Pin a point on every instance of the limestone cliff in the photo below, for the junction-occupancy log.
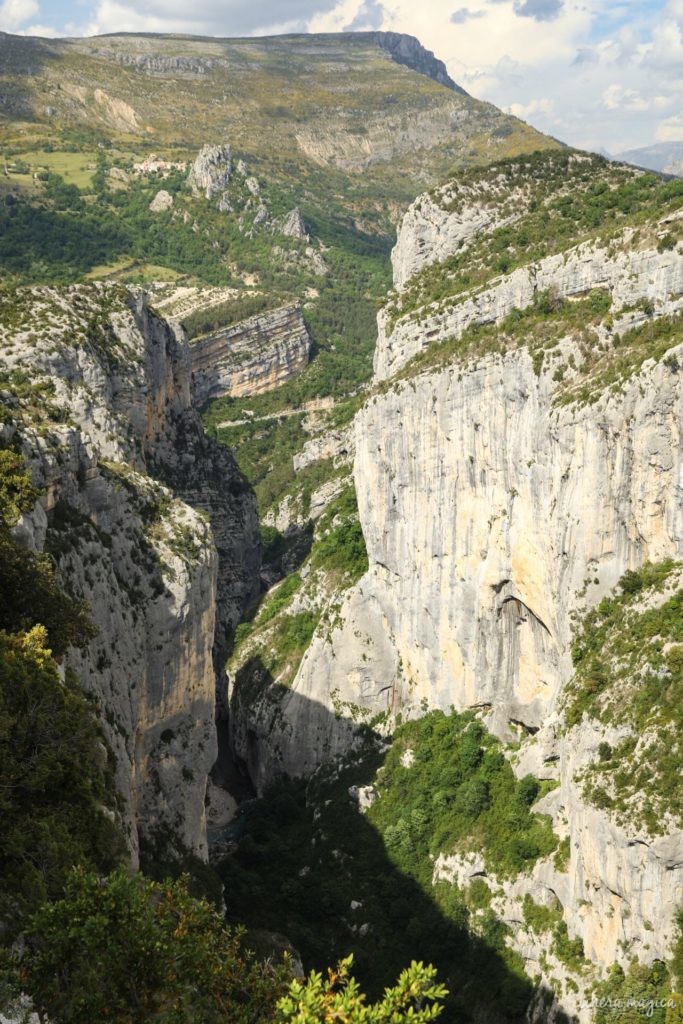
(408, 50)
(147, 520)
(251, 357)
(507, 477)
(485, 508)
(628, 273)
(211, 171)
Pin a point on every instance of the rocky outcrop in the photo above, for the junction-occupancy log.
(408, 50)
(330, 444)
(628, 274)
(211, 171)
(292, 225)
(622, 887)
(115, 112)
(446, 221)
(618, 889)
(150, 522)
(160, 64)
(431, 231)
(251, 357)
(162, 201)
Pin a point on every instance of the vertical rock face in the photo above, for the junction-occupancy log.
(211, 171)
(506, 480)
(485, 509)
(408, 50)
(150, 522)
(251, 357)
(486, 512)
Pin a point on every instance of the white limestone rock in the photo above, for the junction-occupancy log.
(161, 538)
(629, 275)
(211, 171)
(251, 357)
(338, 445)
(162, 201)
(292, 225)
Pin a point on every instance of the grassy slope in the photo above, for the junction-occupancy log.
(265, 96)
(328, 123)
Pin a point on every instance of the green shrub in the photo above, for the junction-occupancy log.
(56, 779)
(339, 998)
(629, 670)
(132, 950)
(476, 798)
(339, 544)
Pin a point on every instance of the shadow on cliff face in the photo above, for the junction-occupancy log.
(308, 864)
(284, 553)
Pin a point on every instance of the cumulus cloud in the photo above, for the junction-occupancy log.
(210, 17)
(370, 15)
(533, 108)
(541, 10)
(464, 14)
(670, 130)
(14, 13)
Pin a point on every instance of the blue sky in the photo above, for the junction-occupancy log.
(594, 73)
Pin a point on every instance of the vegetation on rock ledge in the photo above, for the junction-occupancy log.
(629, 674)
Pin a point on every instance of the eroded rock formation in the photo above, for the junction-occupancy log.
(149, 521)
(251, 357)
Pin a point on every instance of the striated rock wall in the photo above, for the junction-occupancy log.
(150, 522)
(487, 512)
(485, 509)
(628, 275)
(251, 357)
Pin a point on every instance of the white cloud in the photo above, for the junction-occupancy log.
(597, 74)
(13, 13)
(670, 130)
(528, 110)
(370, 15)
(209, 17)
(42, 31)
(615, 97)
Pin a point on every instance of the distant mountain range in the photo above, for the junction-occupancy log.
(666, 157)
